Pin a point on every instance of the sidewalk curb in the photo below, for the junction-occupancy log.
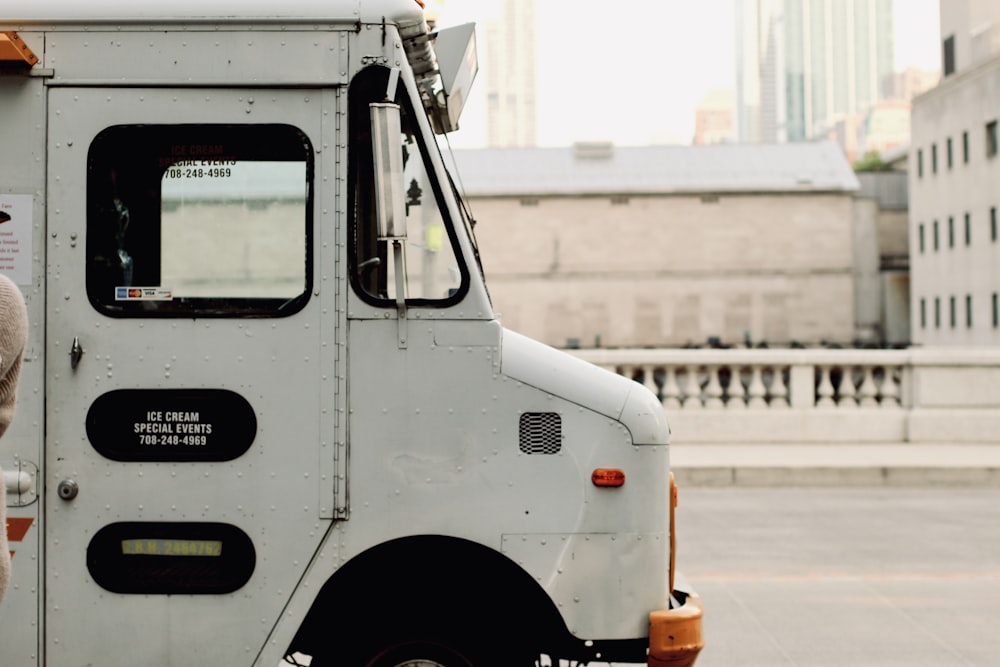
(831, 476)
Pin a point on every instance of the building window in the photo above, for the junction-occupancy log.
(949, 152)
(951, 311)
(933, 158)
(968, 311)
(993, 223)
(991, 138)
(968, 229)
(951, 232)
(923, 313)
(996, 311)
(920, 236)
(965, 147)
(948, 55)
(935, 235)
(920, 163)
(937, 312)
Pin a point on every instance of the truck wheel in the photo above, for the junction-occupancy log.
(419, 654)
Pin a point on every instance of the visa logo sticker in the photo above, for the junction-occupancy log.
(143, 294)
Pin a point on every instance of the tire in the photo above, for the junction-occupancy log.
(419, 654)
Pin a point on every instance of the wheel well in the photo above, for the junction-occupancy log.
(437, 586)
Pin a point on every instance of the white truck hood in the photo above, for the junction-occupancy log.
(587, 385)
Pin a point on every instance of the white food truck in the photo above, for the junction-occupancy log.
(267, 414)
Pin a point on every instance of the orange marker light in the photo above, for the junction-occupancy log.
(608, 477)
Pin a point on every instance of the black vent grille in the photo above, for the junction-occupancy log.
(540, 433)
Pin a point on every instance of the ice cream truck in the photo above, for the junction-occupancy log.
(267, 413)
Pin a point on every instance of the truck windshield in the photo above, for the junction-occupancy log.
(434, 272)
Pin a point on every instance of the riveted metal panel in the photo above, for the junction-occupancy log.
(276, 492)
(591, 576)
(198, 57)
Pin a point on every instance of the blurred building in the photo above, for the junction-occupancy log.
(954, 172)
(803, 66)
(881, 259)
(714, 119)
(885, 126)
(845, 132)
(909, 83)
(598, 245)
(510, 76)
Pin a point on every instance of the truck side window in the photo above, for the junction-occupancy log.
(199, 220)
(434, 273)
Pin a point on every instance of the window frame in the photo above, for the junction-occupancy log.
(259, 140)
(369, 85)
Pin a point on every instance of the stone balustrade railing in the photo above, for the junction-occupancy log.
(819, 394)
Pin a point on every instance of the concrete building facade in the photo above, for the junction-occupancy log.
(954, 182)
(669, 246)
(881, 260)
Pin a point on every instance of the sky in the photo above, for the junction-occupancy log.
(633, 71)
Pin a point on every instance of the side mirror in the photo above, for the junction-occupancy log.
(458, 63)
(387, 148)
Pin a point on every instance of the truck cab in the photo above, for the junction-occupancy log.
(267, 414)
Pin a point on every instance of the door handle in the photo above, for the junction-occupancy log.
(18, 481)
(75, 353)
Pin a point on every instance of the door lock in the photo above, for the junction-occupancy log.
(68, 489)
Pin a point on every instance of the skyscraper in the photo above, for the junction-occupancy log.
(511, 88)
(805, 65)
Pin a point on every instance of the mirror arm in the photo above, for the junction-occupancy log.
(390, 197)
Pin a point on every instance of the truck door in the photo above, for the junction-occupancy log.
(191, 344)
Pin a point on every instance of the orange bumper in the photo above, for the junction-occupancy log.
(675, 634)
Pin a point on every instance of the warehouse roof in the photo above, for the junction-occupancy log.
(600, 168)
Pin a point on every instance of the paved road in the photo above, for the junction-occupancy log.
(845, 576)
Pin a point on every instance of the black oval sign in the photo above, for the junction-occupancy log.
(165, 558)
(171, 425)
